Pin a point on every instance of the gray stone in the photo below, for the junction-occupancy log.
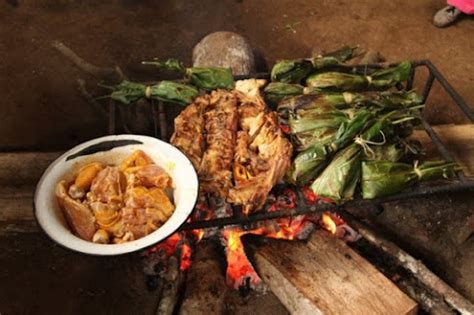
(225, 49)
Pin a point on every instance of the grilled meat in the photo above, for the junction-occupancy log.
(221, 127)
(245, 152)
(188, 130)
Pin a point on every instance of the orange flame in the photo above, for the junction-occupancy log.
(328, 223)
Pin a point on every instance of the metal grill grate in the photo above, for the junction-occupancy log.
(462, 183)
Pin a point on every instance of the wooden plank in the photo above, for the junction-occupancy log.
(325, 276)
(459, 139)
(20, 168)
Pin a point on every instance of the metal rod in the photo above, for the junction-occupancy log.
(303, 208)
(441, 147)
(450, 90)
(427, 88)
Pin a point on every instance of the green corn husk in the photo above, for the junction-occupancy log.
(129, 93)
(334, 58)
(307, 164)
(395, 100)
(384, 178)
(276, 91)
(381, 79)
(339, 178)
(301, 103)
(306, 139)
(207, 78)
(291, 71)
(337, 81)
(390, 77)
(323, 117)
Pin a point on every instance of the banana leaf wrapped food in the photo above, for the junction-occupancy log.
(129, 93)
(311, 161)
(339, 179)
(308, 164)
(381, 79)
(383, 178)
(206, 78)
(294, 71)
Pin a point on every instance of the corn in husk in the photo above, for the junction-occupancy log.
(311, 161)
(276, 91)
(294, 71)
(129, 93)
(381, 79)
(291, 71)
(384, 178)
(206, 78)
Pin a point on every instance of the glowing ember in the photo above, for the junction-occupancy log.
(185, 257)
(240, 272)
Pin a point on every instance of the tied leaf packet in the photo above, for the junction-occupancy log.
(129, 93)
(294, 71)
(380, 79)
(206, 78)
(384, 178)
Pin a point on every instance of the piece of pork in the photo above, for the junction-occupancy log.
(78, 215)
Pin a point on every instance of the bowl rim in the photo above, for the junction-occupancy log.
(75, 152)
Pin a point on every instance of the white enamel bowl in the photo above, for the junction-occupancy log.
(113, 150)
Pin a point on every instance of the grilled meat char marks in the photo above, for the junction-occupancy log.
(221, 128)
(189, 129)
(244, 153)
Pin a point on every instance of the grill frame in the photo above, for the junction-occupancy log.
(462, 183)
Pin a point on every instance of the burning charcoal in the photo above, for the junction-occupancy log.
(338, 227)
(240, 273)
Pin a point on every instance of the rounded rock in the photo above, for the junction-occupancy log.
(227, 50)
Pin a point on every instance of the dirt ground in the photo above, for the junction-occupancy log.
(43, 110)
(41, 105)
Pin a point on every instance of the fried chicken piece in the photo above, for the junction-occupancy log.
(188, 130)
(221, 126)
